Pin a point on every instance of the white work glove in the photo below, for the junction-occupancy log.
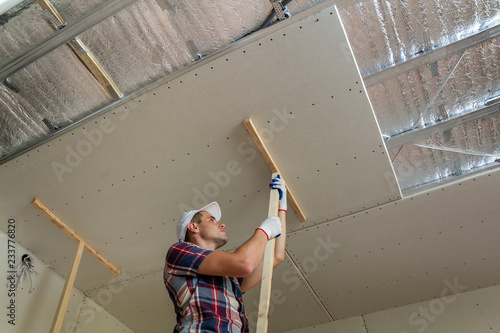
(279, 184)
(271, 226)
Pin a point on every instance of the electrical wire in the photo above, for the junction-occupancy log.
(26, 268)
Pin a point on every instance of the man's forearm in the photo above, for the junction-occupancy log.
(279, 246)
(253, 249)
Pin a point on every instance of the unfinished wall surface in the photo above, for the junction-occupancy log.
(475, 311)
(24, 311)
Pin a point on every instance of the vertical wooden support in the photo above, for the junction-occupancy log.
(74, 236)
(66, 293)
(82, 245)
(267, 269)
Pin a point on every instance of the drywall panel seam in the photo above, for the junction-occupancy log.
(387, 175)
(468, 178)
(316, 296)
(131, 278)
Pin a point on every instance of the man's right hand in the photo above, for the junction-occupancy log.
(271, 226)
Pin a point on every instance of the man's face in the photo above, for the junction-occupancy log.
(211, 230)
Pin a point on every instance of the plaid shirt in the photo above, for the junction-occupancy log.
(202, 303)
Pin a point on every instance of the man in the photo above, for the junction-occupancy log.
(205, 285)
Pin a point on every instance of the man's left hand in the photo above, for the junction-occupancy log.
(279, 184)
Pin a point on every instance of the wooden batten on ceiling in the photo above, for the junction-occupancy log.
(85, 55)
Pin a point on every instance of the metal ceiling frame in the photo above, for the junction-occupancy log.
(412, 136)
(63, 36)
(188, 68)
(432, 56)
(449, 180)
(86, 22)
(111, 7)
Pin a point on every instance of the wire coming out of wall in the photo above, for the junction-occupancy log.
(26, 267)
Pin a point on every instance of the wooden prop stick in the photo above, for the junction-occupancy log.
(272, 165)
(66, 293)
(74, 236)
(267, 269)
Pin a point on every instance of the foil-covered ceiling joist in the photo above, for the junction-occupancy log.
(412, 136)
(385, 33)
(55, 87)
(432, 56)
(448, 153)
(418, 99)
(429, 68)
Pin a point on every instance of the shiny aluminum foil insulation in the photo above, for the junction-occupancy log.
(448, 154)
(417, 99)
(139, 45)
(383, 34)
(151, 39)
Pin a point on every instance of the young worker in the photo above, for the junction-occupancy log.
(205, 285)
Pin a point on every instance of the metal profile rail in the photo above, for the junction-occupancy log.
(432, 56)
(412, 136)
(63, 36)
(188, 68)
(94, 17)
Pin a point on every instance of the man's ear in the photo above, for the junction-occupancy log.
(192, 227)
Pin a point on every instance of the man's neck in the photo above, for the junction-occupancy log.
(204, 244)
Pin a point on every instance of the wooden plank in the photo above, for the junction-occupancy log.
(267, 269)
(86, 57)
(66, 293)
(272, 165)
(74, 236)
(96, 69)
(48, 6)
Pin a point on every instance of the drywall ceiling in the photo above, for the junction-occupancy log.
(122, 179)
(431, 68)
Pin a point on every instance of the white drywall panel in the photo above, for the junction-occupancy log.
(473, 311)
(35, 310)
(460, 314)
(142, 303)
(349, 325)
(93, 318)
(403, 252)
(289, 294)
(487, 302)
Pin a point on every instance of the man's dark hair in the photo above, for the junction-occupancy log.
(196, 219)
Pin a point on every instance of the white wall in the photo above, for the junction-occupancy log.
(474, 311)
(35, 310)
